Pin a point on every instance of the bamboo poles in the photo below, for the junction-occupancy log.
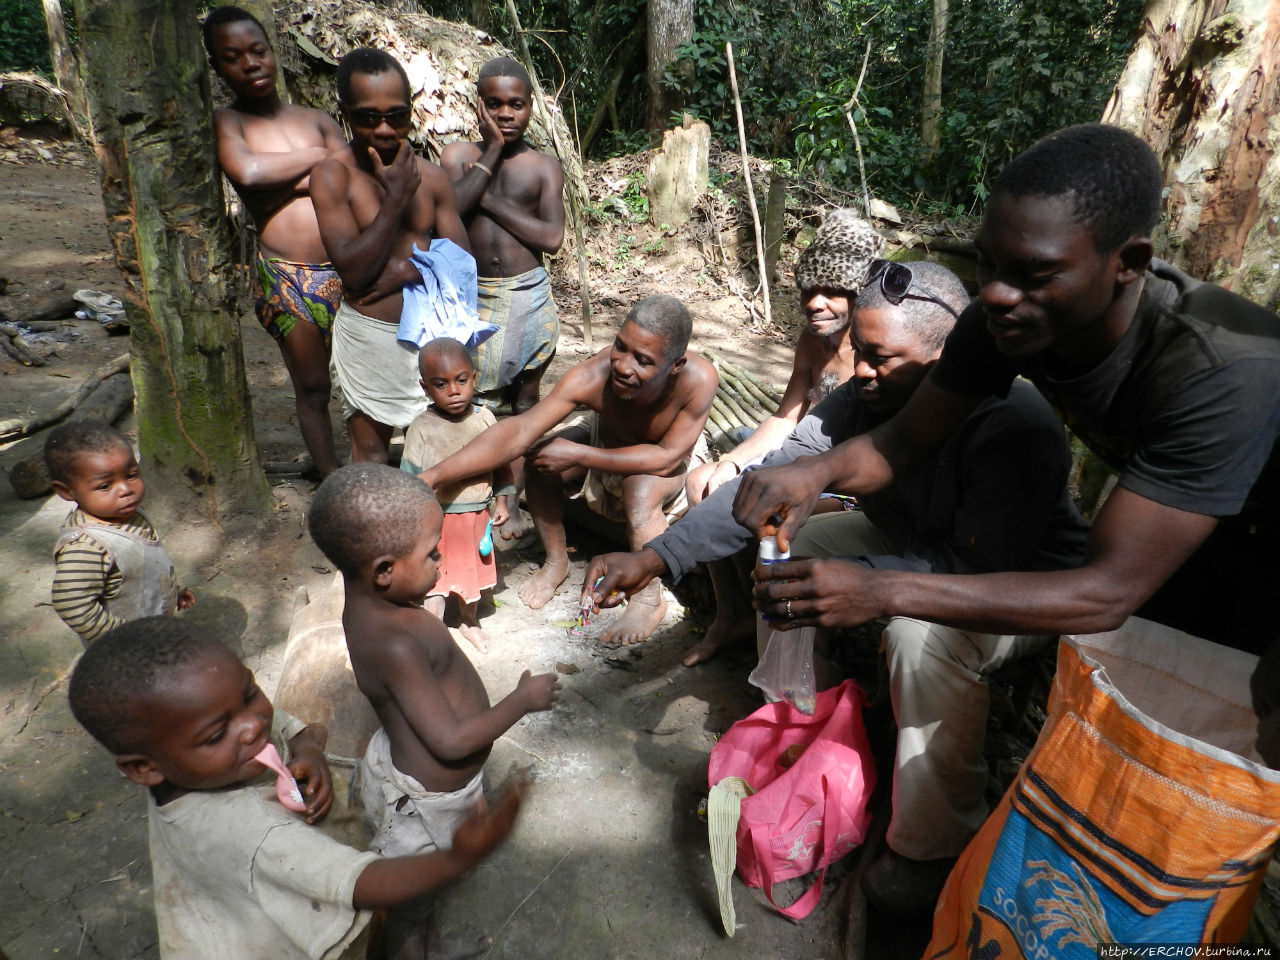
(742, 401)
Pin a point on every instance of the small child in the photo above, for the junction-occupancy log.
(236, 875)
(444, 428)
(381, 528)
(109, 565)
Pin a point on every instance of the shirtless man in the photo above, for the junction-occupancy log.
(372, 206)
(267, 148)
(831, 271)
(510, 197)
(650, 400)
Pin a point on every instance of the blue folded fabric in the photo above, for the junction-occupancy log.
(444, 303)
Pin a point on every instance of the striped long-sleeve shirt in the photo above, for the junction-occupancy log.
(85, 576)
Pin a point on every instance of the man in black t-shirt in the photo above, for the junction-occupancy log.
(1176, 383)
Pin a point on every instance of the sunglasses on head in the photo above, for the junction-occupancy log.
(398, 118)
(898, 283)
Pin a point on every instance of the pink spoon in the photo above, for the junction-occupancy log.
(287, 791)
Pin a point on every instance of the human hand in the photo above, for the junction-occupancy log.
(722, 471)
(540, 691)
(490, 133)
(816, 593)
(396, 275)
(555, 456)
(775, 501)
(428, 477)
(477, 835)
(186, 599)
(620, 575)
(499, 513)
(311, 770)
(401, 177)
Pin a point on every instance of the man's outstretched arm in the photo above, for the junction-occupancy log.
(1135, 545)
(778, 500)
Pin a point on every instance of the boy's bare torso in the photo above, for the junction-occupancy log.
(390, 647)
(520, 179)
(283, 214)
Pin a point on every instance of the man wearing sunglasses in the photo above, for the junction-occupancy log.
(1174, 382)
(993, 497)
(372, 207)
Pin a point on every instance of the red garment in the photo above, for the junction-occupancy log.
(462, 570)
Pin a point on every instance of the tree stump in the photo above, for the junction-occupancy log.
(678, 173)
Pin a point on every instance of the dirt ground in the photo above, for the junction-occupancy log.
(609, 859)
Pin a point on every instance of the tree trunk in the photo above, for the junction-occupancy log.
(64, 61)
(670, 23)
(1203, 88)
(931, 101)
(482, 15)
(148, 91)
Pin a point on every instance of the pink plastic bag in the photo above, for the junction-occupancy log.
(804, 818)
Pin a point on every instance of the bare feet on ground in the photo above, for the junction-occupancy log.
(725, 629)
(644, 612)
(477, 636)
(460, 945)
(518, 524)
(541, 587)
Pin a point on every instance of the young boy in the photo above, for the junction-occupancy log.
(442, 429)
(236, 875)
(422, 771)
(374, 201)
(109, 564)
(267, 149)
(509, 196)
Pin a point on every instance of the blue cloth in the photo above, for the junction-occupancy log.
(444, 303)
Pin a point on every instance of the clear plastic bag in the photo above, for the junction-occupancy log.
(785, 672)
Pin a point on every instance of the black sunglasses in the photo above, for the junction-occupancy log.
(399, 118)
(897, 283)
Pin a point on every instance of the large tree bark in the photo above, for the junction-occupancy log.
(931, 99)
(1203, 88)
(148, 90)
(670, 24)
(64, 61)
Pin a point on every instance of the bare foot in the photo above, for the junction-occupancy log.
(644, 612)
(541, 587)
(518, 524)
(460, 945)
(476, 636)
(725, 629)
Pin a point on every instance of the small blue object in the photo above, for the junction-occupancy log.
(486, 542)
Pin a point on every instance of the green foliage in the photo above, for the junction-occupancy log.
(24, 43)
(1013, 71)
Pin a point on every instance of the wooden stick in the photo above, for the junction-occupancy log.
(857, 141)
(749, 391)
(20, 428)
(737, 408)
(745, 375)
(746, 177)
(728, 416)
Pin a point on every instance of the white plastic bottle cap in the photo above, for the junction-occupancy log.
(769, 552)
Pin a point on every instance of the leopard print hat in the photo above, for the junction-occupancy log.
(841, 253)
